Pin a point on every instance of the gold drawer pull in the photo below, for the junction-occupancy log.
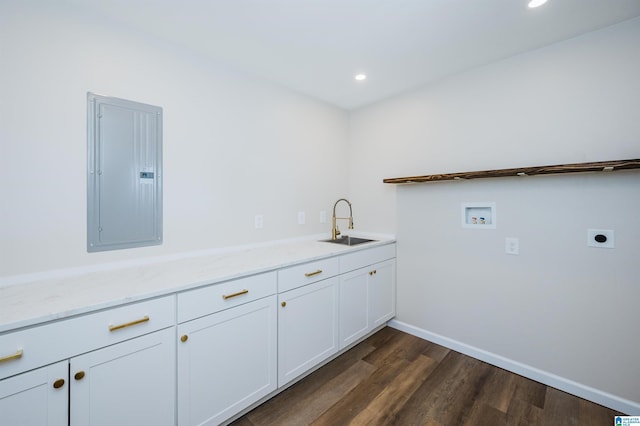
(240, 293)
(17, 355)
(373, 272)
(58, 384)
(283, 304)
(311, 274)
(79, 375)
(129, 324)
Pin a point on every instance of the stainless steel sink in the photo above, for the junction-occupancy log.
(348, 241)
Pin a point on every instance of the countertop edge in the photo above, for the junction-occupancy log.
(324, 251)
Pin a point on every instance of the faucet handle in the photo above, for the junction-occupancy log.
(350, 223)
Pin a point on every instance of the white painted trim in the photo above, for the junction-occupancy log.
(578, 389)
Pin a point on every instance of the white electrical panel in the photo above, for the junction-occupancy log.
(124, 174)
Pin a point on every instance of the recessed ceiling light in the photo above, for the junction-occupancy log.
(536, 3)
(360, 77)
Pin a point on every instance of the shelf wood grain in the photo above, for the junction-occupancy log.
(599, 166)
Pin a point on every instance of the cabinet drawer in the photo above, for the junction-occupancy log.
(217, 297)
(362, 258)
(41, 345)
(307, 273)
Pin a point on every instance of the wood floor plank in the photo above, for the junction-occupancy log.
(592, 414)
(483, 414)
(560, 408)
(498, 390)
(435, 351)
(417, 407)
(243, 421)
(529, 391)
(357, 400)
(306, 410)
(522, 413)
(411, 348)
(384, 407)
(430, 422)
(455, 397)
(310, 386)
(393, 378)
(381, 337)
(399, 346)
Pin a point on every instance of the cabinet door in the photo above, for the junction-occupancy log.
(382, 293)
(354, 321)
(130, 383)
(307, 328)
(226, 362)
(36, 398)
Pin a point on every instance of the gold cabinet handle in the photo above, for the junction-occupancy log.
(184, 338)
(16, 355)
(58, 384)
(283, 304)
(240, 293)
(373, 272)
(311, 274)
(79, 375)
(129, 324)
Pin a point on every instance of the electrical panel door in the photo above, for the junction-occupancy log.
(124, 174)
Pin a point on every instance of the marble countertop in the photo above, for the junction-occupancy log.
(27, 304)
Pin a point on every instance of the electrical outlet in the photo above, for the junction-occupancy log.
(323, 216)
(512, 246)
(259, 221)
(601, 238)
(301, 218)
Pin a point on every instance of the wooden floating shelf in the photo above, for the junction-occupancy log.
(600, 166)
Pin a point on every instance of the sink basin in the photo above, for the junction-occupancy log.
(348, 241)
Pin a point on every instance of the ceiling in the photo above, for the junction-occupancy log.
(315, 47)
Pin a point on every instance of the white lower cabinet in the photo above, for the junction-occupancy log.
(354, 306)
(37, 398)
(131, 383)
(238, 341)
(307, 327)
(367, 300)
(382, 293)
(226, 362)
(111, 367)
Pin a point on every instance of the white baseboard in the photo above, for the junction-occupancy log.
(599, 397)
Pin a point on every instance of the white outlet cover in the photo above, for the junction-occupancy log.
(593, 235)
(301, 218)
(512, 245)
(259, 221)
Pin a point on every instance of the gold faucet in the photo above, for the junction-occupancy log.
(334, 225)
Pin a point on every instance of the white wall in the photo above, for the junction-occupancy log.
(560, 309)
(233, 146)
(571, 102)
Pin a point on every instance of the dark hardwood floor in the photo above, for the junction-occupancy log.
(394, 378)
